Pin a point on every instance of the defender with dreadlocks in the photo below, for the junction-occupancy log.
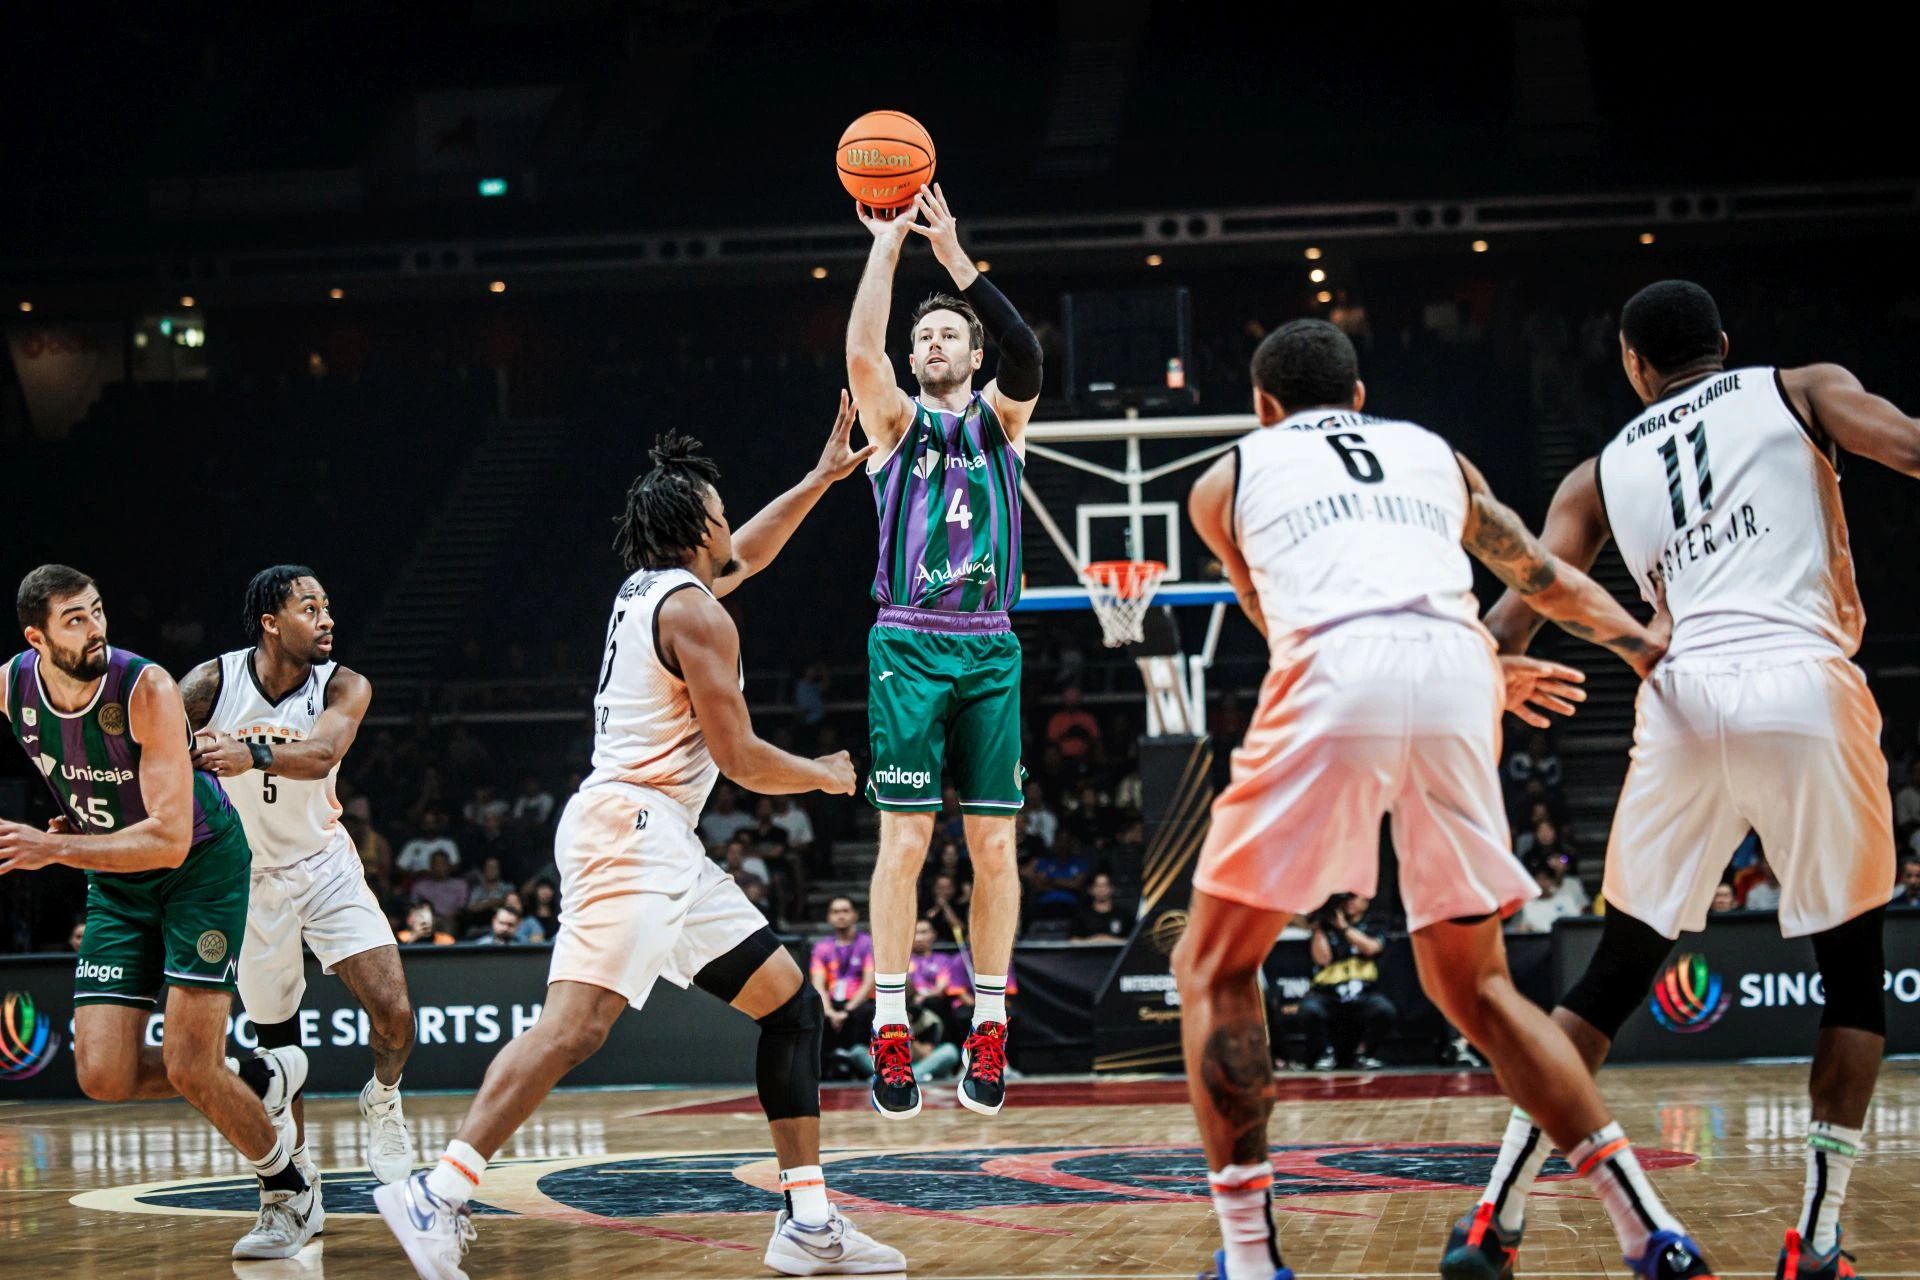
(640, 899)
(273, 721)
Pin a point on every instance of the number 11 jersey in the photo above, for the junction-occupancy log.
(1723, 493)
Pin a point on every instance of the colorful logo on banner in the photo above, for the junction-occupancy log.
(28, 1041)
(963, 1183)
(1689, 997)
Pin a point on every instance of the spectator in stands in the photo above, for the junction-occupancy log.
(1545, 843)
(1062, 874)
(78, 934)
(484, 804)
(1043, 824)
(1907, 892)
(841, 969)
(768, 841)
(467, 757)
(1072, 730)
(488, 887)
(533, 807)
(501, 929)
(440, 889)
(950, 859)
(417, 853)
(1561, 895)
(1344, 1000)
(1762, 890)
(792, 819)
(432, 795)
(1537, 759)
(491, 839)
(1723, 900)
(376, 851)
(543, 909)
(945, 911)
(724, 819)
(424, 929)
(1101, 919)
(741, 861)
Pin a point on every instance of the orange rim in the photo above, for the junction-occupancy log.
(1125, 577)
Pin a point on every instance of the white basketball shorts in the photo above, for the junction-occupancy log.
(1380, 717)
(639, 898)
(323, 899)
(1789, 748)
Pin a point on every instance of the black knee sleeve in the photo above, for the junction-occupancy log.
(278, 1035)
(1620, 974)
(786, 1067)
(1853, 969)
(727, 976)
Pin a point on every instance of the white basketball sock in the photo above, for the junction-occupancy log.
(458, 1174)
(1606, 1160)
(1243, 1201)
(1523, 1152)
(889, 1000)
(805, 1188)
(1831, 1151)
(376, 1093)
(989, 998)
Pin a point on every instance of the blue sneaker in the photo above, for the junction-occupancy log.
(1671, 1256)
(1479, 1248)
(1218, 1271)
(1799, 1262)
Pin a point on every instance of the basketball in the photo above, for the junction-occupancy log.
(883, 158)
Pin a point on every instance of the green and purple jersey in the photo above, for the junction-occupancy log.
(948, 498)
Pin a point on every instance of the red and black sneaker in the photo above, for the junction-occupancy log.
(983, 1069)
(1798, 1261)
(896, 1094)
(1479, 1248)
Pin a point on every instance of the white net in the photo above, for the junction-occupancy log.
(1121, 591)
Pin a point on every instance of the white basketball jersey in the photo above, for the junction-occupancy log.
(1722, 492)
(286, 819)
(1341, 515)
(644, 730)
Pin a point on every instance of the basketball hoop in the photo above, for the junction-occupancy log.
(1120, 591)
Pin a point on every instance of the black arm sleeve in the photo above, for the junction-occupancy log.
(1019, 372)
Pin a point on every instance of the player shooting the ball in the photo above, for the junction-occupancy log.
(944, 666)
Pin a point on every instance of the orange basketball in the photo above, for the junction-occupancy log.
(884, 158)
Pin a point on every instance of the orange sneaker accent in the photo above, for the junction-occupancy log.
(1482, 1218)
(1612, 1148)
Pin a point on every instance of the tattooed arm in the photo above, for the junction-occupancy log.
(1550, 586)
(1575, 531)
(199, 691)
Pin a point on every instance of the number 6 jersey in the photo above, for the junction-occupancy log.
(1723, 493)
(1341, 515)
(286, 819)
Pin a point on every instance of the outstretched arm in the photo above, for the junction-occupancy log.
(1016, 386)
(348, 695)
(157, 722)
(1575, 532)
(1833, 400)
(759, 540)
(884, 408)
(698, 638)
(1210, 507)
(1495, 536)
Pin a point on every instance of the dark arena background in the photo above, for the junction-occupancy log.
(405, 293)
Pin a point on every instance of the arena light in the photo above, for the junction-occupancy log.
(1646, 237)
(498, 286)
(818, 273)
(1154, 259)
(983, 266)
(1323, 296)
(26, 306)
(1317, 275)
(1479, 246)
(186, 300)
(336, 294)
(492, 187)
(1313, 254)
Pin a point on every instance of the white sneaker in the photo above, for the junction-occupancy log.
(311, 1172)
(837, 1249)
(389, 1145)
(433, 1232)
(284, 1226)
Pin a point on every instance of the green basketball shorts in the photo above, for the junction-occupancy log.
(943, 690)
(182, 926)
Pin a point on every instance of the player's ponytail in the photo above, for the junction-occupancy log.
(666, 515)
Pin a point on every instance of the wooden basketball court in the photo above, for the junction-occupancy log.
(1076, 1179)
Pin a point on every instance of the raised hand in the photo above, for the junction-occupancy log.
(1536, 687)
(942, 229)
(839, 458)
(889, 226)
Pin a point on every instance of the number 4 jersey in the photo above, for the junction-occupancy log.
(1341, 515)
(90, 758)
(1722, 492)
(287, 819)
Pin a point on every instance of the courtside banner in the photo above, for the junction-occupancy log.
(1740, 990)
